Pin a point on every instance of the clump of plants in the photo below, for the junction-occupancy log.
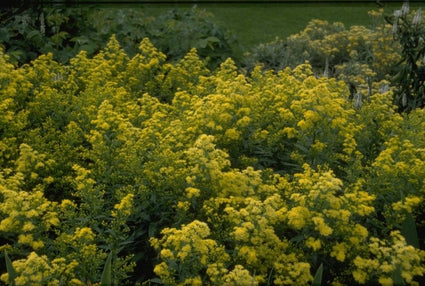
(363, 57)
(133, 169)
(390, 54)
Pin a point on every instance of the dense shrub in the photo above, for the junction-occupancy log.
(31, 30)
(190, 176)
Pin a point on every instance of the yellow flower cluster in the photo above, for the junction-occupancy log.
(188, 251)
(388, 258)
(38, 270)
(28, 215)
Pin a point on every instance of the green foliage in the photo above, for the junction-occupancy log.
(273, 55)
(64, 31)
(28, 32)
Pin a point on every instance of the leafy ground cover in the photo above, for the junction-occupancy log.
(132, 169)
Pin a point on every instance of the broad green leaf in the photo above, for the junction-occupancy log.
(397, 279)
(156, 280)
(33, 34)
(317, 280)
(408, 229)
(213, 39)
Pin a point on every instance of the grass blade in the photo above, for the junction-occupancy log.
(106, 274)
(10, 270)
(397, 278)
(317, 280)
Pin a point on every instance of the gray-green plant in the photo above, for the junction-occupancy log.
(409, 30)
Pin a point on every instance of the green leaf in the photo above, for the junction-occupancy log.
(317, 280)
(10, 269)
(297, 238)
(33, 34)
(106, 274)
(203, 43)
(156, 280)
(213, 39)
(408, 230)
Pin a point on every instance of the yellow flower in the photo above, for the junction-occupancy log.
(241, 234)
(360, 276)
(386, 268)
(248, 254)
(290, 132)
(37, 244)
(318, 146)
(410, 203)
(25, 238)
(183, 205)
(166, 254)
(321, 226)
(67, 204)
(124, 207)
(232, 134)
(297, 217)
(238, 276)
(243, 122)
(75, 282)
(303, 124)
(315, 244)
(7, 224)
(28, 226)
(184, 252)
(385, 281)
(161, 270)
(192, 192)
(361, 231)
(338, 251)
(84, 233)
(196, 281)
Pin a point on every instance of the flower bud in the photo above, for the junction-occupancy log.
(405, 8)
(394, 29)
(397, 13)
(417, 18)
(384, 88)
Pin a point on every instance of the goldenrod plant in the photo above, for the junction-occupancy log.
(127, 170)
